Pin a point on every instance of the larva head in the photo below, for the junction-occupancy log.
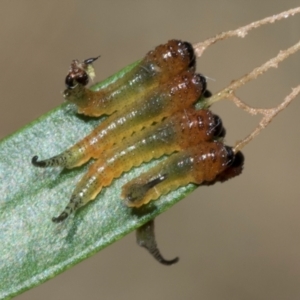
(200, 81)
(80, 72)
(231, 171)
(209, 160)
(187, 86)
(234, 169)
(228, 157)
(212, 124)
(170, 59)
(217, 129)
(198, 126)
(187, 49)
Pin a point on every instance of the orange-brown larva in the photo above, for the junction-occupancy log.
(178, 93)
(180, 131)
(175, 171)
(158, 66)
(151, 113)
(205, 163)
(165, 87)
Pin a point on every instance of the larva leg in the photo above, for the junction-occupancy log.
(145, 237)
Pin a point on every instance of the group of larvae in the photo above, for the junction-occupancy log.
(150, 113)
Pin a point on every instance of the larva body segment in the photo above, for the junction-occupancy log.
(180, 131)
(199, 164)
(159, 66)
(175, 95)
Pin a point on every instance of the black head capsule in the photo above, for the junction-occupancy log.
(204, 82)
(190, 50)
(234, 169)
(75, 77)
(199, 79)
(82, 79)
(230, 156)
(70, 82)
(79, 73)
(219, 130)
(239, 159)
(207, 94)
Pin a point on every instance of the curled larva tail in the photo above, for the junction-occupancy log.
(199, 164)
(66, 159)
(145, 238)
(75, 202)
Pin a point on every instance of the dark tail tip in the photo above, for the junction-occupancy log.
(170, 262)
(156, 254)
(37, 163)
(91, 60)
(60, 218)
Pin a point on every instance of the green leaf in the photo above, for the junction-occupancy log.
(33, 248)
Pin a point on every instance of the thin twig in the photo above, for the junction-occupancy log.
(268, 114)
(243, 31)
(229, 92)
(272, 63)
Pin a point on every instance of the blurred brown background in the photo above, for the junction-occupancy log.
(239, 240)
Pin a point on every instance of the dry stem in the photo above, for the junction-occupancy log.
(228, 92)
(268, 115)
(243, 31)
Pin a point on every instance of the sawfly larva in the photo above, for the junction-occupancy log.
(205, 163)
(180, 131)
(179, 93)
(159, 66)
